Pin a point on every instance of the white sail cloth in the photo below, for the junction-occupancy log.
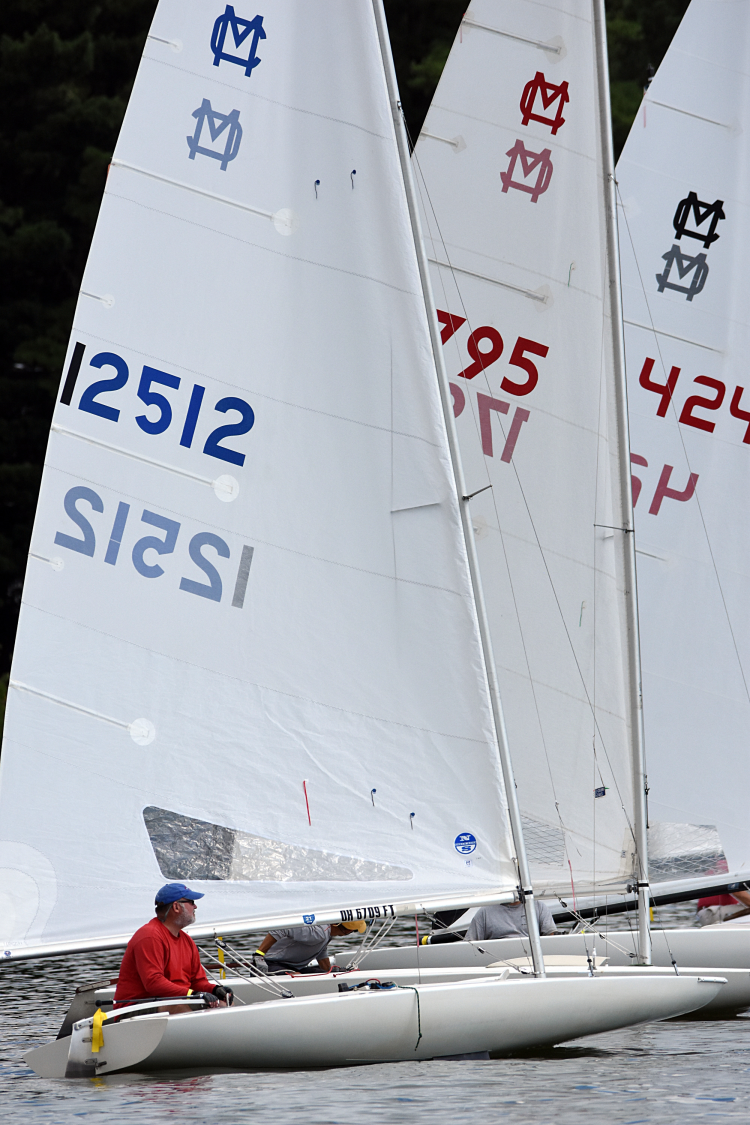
(509, 167)
(248, 654)
(683, 182)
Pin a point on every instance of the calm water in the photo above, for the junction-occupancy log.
(671, 1072)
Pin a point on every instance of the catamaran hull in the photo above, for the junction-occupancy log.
(408, 1023)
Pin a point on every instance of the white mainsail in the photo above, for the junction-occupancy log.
(683, 183)
(248, 654)
(510, 166)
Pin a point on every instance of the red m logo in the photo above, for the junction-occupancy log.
(549, 93)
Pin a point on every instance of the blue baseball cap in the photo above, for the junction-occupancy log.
(171, 892)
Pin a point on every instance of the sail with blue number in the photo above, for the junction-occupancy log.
(684, 205)
(510, 169)
(248, 655)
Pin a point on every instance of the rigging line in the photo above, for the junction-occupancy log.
(251, 980)
(217, 980)
(421, 180)
(372, 940)
(256, 975)
(685, 452)
(564, 832)
(655, 909)
(477, 949)
(586, 923)
(473, 945)
(533, 526)
(375, 939)
(526, 953)
(363, 947)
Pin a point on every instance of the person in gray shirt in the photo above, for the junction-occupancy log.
(292, 949)
(509, 920)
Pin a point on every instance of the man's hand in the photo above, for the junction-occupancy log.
(225, 996)
(211, 1000)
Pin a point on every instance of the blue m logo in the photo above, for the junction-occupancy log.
(241, 30)
(225, 125)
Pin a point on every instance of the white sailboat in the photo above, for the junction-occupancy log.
(525, 281)
(249, 492)
(681, 338)
(685, 346)
(684, 200)
(523, 276)
(251, 653)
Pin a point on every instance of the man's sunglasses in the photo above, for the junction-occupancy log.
(187, 901)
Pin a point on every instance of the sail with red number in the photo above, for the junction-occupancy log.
(510, 167)
(249, 655)
(685, 201)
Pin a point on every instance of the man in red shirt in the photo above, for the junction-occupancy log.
(161, 960)
(721, 908)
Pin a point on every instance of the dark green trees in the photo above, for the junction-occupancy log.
(66, 68)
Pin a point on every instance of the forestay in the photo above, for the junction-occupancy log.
(248, 654)
(509, 165)
(683, 181)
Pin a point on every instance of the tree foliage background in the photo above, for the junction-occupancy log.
(66, 69)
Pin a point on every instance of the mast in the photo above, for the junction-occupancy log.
(626, 499)
(526, 889)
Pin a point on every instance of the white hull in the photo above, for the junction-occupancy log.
(735, 993)
(722, 950)
(368, 1027)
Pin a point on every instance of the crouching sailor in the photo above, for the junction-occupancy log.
(161, 960)
(292, 949)
(508, 920)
